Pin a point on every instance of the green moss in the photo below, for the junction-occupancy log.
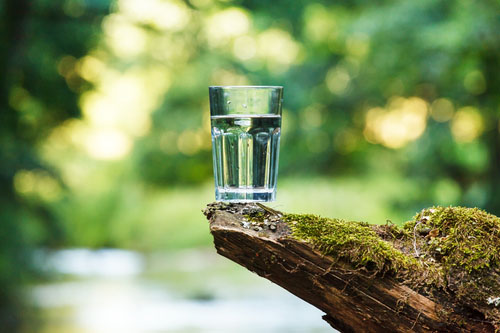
(353, 241)
(465, 244)
(464, 238)
(451, 249)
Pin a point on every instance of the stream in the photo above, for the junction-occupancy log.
(114, 290)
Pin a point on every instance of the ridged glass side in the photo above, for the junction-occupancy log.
(245, 154)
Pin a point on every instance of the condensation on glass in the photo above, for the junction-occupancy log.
(246, 126)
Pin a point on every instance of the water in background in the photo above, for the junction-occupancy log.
(189, 291)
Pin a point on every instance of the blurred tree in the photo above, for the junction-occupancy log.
(97, 117)
(402, 87)
(405, 89)
(37, 92)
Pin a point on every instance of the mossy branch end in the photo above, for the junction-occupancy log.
(438, 272)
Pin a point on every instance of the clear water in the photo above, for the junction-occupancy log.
(245, 155)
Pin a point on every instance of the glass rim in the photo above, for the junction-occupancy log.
(253, 87)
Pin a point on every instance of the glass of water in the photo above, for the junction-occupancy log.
(246, 126)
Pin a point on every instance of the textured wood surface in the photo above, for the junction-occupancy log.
(353, 300)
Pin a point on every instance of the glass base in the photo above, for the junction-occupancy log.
(245, 195)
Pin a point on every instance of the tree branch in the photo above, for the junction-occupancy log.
(355, 299)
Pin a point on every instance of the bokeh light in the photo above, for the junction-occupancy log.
(105, 135)
(467, 124)
(402, 121)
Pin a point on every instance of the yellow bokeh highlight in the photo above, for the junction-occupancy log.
(160, 14)
(357, 45)
(402, 121)
(69, 133)
(228, 78)
(245, 48)
(319, 24)
(37, 182)
(117, 110)
(119, 107)
(442, 110)
(107, 144)
(312, 117)
(288, 124)
(124, 37)
(205, 138)
(114, 113)
(337, 79)
(205, 122)
(171, 50)
(104, 111)
(202, 3)
(190, 142)
(225, 24)
(125, 101)
(467, 124)
(90, 68)
(278, 48)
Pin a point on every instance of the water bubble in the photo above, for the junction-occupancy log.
(228, 102)
(244, 105)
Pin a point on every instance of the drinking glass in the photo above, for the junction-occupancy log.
(246, 126)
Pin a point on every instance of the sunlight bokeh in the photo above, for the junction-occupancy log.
(402, 121)
(106, 139)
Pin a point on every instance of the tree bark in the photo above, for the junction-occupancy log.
(354, 300)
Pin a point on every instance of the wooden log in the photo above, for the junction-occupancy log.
(354, 299)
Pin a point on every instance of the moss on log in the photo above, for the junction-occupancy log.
(439, 272)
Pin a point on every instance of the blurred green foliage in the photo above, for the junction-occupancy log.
(34, 99)
(105, 129)
(405, 88)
